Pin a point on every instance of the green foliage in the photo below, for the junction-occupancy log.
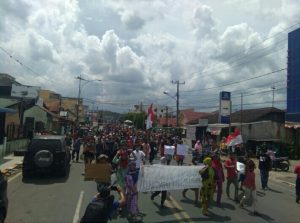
(293, 151)
(138, 119)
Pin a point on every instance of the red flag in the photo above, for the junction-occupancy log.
(150, 117)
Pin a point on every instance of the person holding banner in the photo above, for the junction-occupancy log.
(208, 184)
(180, 151)
(163, 193)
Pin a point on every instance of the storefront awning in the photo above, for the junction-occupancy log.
(292, 125)
(7, 110)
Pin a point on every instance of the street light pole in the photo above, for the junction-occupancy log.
(79, 94)
(177, 100)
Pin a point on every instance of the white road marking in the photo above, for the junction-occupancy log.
(14, 177)
(77, 212)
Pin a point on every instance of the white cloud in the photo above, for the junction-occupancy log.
(138, 47)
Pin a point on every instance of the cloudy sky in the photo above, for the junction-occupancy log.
(137, 47)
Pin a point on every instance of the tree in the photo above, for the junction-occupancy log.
(138, 119)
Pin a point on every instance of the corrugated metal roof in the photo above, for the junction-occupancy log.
(7, 102)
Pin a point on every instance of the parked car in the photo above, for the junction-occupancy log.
(3, 197)
(46, 154)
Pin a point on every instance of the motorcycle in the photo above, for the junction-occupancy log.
(281, 163)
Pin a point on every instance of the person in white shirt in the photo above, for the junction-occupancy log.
(139, 156)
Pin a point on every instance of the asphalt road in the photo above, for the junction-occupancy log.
(52, 199)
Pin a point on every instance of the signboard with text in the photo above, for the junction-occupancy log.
(225, 107)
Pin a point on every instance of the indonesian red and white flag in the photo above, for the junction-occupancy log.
(234, 138)
(150, 117)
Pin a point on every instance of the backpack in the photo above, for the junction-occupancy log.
(98, 211)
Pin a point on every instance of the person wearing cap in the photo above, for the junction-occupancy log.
(163, 161)
(208, 184)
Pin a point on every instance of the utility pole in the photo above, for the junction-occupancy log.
(177, 100)
(167, 116)
(78, 100)
(273, 88)
(241, 121)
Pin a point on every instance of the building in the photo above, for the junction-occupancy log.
(293, 77)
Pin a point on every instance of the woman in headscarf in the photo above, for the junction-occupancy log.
(208, 184)
(131, 190)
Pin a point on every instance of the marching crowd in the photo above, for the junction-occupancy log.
(127, 150)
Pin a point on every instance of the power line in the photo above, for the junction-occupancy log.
(238, 82)
(19, 62)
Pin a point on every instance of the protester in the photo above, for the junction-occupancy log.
(153, 150)
(232, 177)
(249, 186)
(89, 151)
(139, 155)
(76, 149)
(103, 204)
(163, 193)
(131, 190)
(146, 149)
(121, 159)
(196, 190)
(179, 158)
(297, 171)
(218, 167)
(208, 184)
(264, 165)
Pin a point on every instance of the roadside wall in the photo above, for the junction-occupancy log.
(9, 147)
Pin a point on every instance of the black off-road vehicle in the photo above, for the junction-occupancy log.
(3, 197)
(46, 154)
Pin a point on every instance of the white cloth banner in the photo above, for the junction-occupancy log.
(182, 149)
(169, 150)
(162, 177)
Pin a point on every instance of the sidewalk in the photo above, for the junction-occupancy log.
(10, 163)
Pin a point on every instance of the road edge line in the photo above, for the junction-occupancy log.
(14, 177)
(183, 212)
(78, 206)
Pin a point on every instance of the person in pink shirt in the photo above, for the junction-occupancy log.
(232, 176)
(249, 186)
(297, 171)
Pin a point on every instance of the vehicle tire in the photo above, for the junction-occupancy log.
(43, 158)
(2, 215)
(284, 166)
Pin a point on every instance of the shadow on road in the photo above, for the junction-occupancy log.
(262, 216)
(211, 217)
(275, 191)
(46, 178)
